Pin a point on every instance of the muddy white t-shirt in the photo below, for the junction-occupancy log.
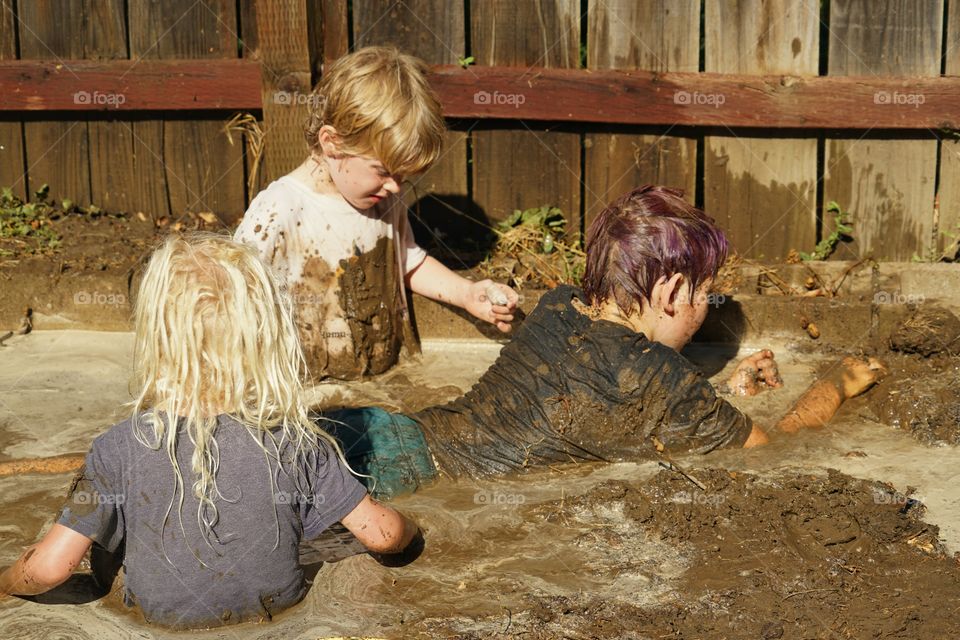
(344, 268)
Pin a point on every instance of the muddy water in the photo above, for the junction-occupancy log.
(536, 554)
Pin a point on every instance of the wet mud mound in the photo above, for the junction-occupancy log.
(928, 331)
(922, 396)
(786, 556)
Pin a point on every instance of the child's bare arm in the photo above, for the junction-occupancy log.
(380, 528)
(435, 281)
(46, 564)
(819, 404)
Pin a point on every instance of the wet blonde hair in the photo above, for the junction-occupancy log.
(215, 335)
(381, 105)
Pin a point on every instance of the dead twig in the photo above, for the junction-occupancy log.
(26, 326)
(797, 593)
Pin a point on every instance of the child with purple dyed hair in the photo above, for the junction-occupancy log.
(596, 374)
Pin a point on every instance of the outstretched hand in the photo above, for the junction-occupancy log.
(859, 374)
(492, 302)
(754, 370)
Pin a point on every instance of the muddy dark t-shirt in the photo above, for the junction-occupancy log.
(248, 568)
(568, 388)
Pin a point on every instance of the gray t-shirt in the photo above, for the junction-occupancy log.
(248, 567)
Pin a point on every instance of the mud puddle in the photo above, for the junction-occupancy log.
(617, 551)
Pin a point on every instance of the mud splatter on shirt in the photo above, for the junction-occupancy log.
(344, 269)
(568, 388)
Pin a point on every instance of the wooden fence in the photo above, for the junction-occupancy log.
(763, 111)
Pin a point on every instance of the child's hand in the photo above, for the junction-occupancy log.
(753, 369)
(492, 302)
(859, 374)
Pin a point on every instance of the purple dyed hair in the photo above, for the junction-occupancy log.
(644, 235)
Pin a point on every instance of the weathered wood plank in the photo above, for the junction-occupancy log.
(655, 35)
(612, 96)
(137, 85)
(887, 185)
(56, 151)
(13, 172)
(646, 97)
(336, 34)
(202, 172)
(530, 165)
(284, 50)
(762, 189)
(948, 225)
(113, 182)
(433, 30)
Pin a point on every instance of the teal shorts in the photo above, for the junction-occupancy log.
(387, 447)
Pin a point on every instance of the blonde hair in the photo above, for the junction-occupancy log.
(215, 335)
(381, 105)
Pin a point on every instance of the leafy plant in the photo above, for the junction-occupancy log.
(465, 62)
(841, 230)
(28, 222)
(535, 242)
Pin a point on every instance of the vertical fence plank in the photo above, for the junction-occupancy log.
(113, 179)
(763, 190)
(433, 30)
(335, 28)
(527, 165)
(202, 171)
(13, 173)
(659, 35)
(284, 52)
(888, 185)
(949, 223)
(57, 152)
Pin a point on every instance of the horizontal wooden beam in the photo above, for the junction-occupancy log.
(571, 95)
(129, 85)
(699, 99)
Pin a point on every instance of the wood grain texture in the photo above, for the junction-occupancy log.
(887, 185)
(142, 85)
(200, 170)
(531, 165)
(655, 35)
(668, 98)
(434, 30)
(284, 52)
(13, 171)
(948, 225)
(335, 29)
(56, 150)
(763, 190)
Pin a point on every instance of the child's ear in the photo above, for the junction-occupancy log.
(671, 290)
(329, 140)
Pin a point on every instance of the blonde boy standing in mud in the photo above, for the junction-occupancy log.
(336, 228)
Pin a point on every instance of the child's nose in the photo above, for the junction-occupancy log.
(392, 185)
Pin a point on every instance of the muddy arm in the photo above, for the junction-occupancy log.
(435, 281)
(46, 564)
(817, 406)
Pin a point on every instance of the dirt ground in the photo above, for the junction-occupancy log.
(850, 532)
(791, 555)
(777, 546)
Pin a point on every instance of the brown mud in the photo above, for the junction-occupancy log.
(796, 555)
(92, 250)
(363, 290)
(921, 396)
(593, 550)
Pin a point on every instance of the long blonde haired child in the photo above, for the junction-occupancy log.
(219, 432)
